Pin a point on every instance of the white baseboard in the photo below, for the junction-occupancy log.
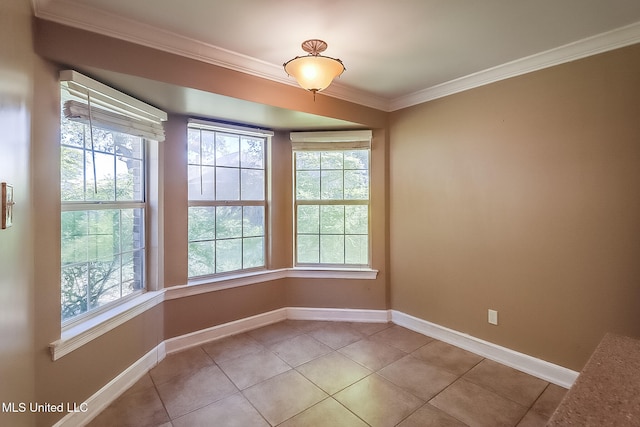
(106, 395)
(92, 407)
(196, 338)
(539, 368)
(338, 314)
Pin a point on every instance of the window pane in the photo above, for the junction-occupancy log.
(332, 185)
(104, 281)
(202, 223)
(208, 148)
(252, 184)
(227, 184)
(332, 249)
(131, 229)
(228, 255)
(357, 159)
(357, 219)
(129, 146)
(72, 133)
(227, 150)
(201, 190)
(74, 290)
(129, 180)
(104, 174)
(308, 248)
(331, 219)
(74, 228)
(356, 249)
(309, 219)
(331, 160)
(252, 154)
(308, 185)
(202, 256)
(253, 221)
(228, 222)
(132, 272)
(71, 174)
(307, 160)
(103, 233)
(253, 252)
(356, 185)
(193, 147)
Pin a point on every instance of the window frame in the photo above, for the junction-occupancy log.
(325, 141)
(137, 119)
(240, 131)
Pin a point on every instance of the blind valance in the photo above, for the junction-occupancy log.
(90, 101)
(331, 140)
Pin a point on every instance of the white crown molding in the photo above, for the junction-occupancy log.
(97, 21)
(615, 39)
(94, 20)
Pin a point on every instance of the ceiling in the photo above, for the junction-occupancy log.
(397, 53)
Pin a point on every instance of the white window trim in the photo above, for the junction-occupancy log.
(321, 141)
(86, 331)
(90, 325)
(246, 131)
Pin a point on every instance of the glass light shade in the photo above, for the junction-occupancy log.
(314, 72)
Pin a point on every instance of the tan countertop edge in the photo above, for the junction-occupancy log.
(607, 391)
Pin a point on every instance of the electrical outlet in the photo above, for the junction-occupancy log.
(493, 317)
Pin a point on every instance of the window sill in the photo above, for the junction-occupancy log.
(84, 332)
(212, 284)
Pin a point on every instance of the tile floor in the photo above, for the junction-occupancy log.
(310, 373)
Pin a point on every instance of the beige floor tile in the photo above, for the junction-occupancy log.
(430, 416)
(180, 363)
(190, 392)
(418, 377)
(253, 368)
(333, 372)
(284, 396)
(142, 384)
(275, 332)
(370, 328)
(233, 411)
(305, 325)
(232, 347)
(453, 359)
(402, 338)
(477, 406)
(373, 354)
(336, 334)
(143, 408)
(378, 402)
(533, 419)
(507, 382)
(327, 413)
(300, 349)
(549, 400)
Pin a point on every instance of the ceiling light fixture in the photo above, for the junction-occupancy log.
(314, 72)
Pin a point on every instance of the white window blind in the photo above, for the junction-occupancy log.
(331, 140)
(89, 101)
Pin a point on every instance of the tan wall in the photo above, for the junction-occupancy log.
(18, 69)
(522, 196)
